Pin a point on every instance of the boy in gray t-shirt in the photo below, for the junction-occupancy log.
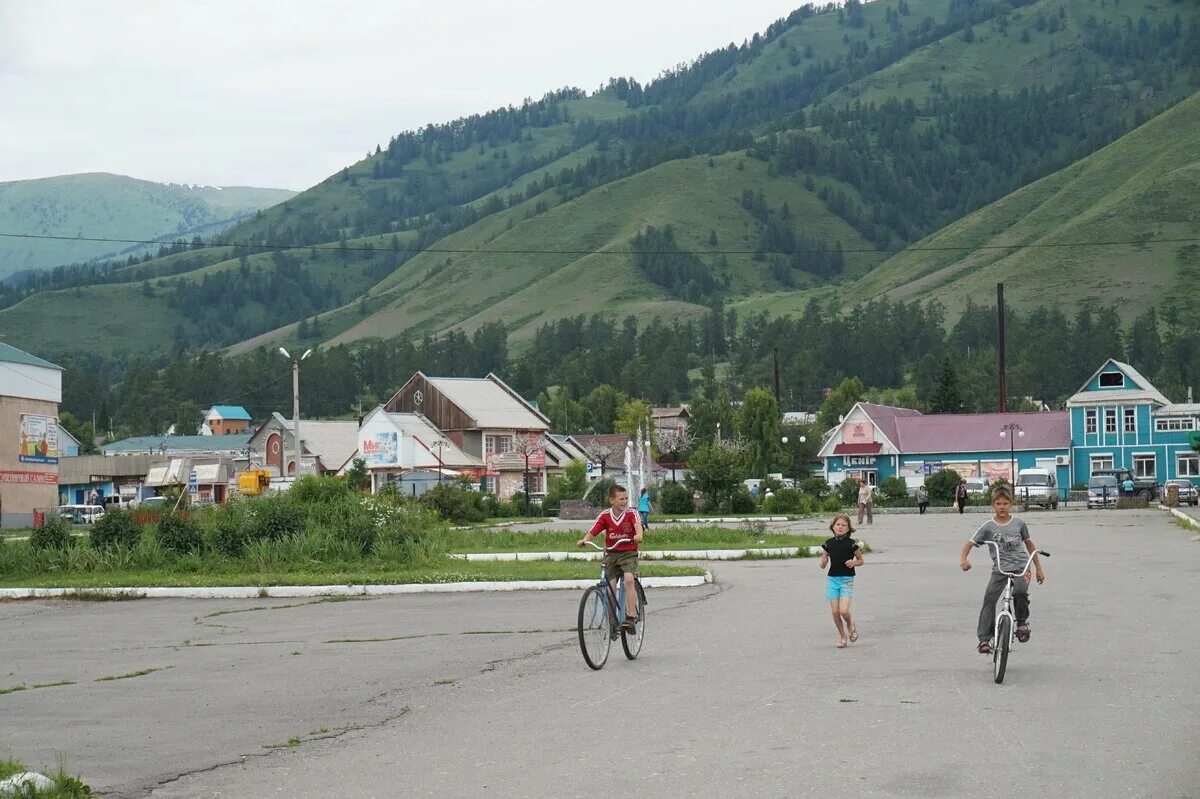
(1012, 537)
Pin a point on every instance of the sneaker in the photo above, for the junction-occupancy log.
(985, 648)
(1023, 633)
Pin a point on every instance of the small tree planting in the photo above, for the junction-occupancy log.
(115, 528)
(177, 533)
(55, 533)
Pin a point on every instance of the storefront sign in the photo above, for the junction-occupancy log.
(380, 449)
(932, 467)
(29, 478)
(860, 460)
(858, 433)
(537, 457)
(39, 439)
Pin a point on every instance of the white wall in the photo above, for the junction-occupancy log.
(30, 382)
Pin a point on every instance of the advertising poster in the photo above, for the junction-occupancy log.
(380, 449)
(39, 439)
(963, 468)
(537, 457)
(997, 470)
(858, 433)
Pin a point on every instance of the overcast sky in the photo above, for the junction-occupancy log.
(283, 94)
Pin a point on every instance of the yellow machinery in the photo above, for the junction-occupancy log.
(253, 482)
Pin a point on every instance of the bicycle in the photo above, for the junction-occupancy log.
(1004, 629)
(601, 617)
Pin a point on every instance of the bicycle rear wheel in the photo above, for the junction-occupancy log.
(632, 643)
(595, 626)
(1000, 653)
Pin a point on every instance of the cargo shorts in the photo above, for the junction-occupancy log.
(618, 563)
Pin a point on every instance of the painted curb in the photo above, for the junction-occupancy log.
(1178, 514)
(649, 554)
(297, 591)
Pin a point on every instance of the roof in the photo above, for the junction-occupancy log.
(1145, 389)
(1179, 409)
(666, 413)
(334, 442)
(490, 402)
(885, 417)
(10, 354)
(614, 441)
(980, 432)
(858, 449)
(156, 444)
(426, 435)
(230, 412)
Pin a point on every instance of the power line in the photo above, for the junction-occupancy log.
(485, 251)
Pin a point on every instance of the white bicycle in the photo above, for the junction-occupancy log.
(1004, 631)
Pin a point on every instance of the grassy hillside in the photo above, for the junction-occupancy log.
(112, 206)
(862, 128)
(1145, 187)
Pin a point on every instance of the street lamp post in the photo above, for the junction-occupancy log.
(1012, 431)
(441, 442)
(296, 404)
(792, 456)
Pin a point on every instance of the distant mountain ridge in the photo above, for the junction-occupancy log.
(103, 205)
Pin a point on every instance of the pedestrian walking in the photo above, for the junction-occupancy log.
(864, 501)
(922, 499)
(960, 495)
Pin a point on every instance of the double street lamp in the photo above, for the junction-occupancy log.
(1012, 431)
(296, 405)
(792, 452)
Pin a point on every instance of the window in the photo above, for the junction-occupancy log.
(1131, 420)
(1187, 465)
(1112, 380)
(497, 445)
(1167, 425)
(1110, 421)
(1143, 466)
(1090, 421)
(1101, 462)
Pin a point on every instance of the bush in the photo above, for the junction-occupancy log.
(941, 486)
(742, 502)
(894, 488)
(55, 533)
(791, 501)
(831, 504)
(674, 498)
(115, 528)
(815, 487)
(229, 527)
(273, 517)
(177, 533)
(455, 503)
(312, 489)
(847, 492)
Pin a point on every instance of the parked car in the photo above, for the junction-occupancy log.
(1188, 493)
(1103, 492)
(976, 485)
(1143, 487)
(81, 514)
(1036, 487)
(152, 503)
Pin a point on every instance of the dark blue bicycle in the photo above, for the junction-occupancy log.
(601, 617)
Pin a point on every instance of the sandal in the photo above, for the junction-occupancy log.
(854, 635)
(985, 648)
(841, 644)
(1023, 633)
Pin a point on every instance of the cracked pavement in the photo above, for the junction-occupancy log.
(739, 690)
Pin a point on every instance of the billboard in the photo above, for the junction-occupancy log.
(997, 470)
(380, 448)
(858, 433)
(39, 439)
(537, 456)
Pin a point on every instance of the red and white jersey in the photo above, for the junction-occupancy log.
(615, 528)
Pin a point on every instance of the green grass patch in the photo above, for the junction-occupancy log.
(65, 786)
(12, 689)
(335, 574)
(56, 684)
(132, 674)
(667, 538)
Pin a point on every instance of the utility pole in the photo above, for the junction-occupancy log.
(296, 405)
(778, 401)
(1000, 345)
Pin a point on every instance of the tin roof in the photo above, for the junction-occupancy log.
(175, 444)
(422, 431)
(333, 442)
(232, 412)
(857, 449)
(10, 354)
(980, 432)
(885, 418)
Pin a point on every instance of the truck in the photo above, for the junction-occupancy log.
(1144, 487)
(254, 482)
(1036, 487)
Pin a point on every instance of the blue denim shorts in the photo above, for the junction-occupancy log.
(839, 587)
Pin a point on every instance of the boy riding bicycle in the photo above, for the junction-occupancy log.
(618, 522)
(1009, 533)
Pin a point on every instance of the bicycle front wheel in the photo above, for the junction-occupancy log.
(1000, 653)
(632, 642)
(595, 626)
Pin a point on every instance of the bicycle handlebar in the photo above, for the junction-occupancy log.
(1028, 562)
(615, 543)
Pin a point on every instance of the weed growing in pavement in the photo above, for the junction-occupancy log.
(132, 674)
(63, 785)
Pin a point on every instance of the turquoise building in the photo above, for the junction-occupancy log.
(1118, 419)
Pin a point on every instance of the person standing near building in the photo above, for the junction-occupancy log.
(1127, 486)
(922, 499)
(864, 501)
(960, 495)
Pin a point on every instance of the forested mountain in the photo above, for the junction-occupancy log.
(760, 178)
(98, 205)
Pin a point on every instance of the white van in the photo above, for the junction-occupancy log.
(81, 514)
(1036, 487)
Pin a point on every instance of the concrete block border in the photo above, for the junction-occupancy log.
(1178, 514)
(297, 591)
